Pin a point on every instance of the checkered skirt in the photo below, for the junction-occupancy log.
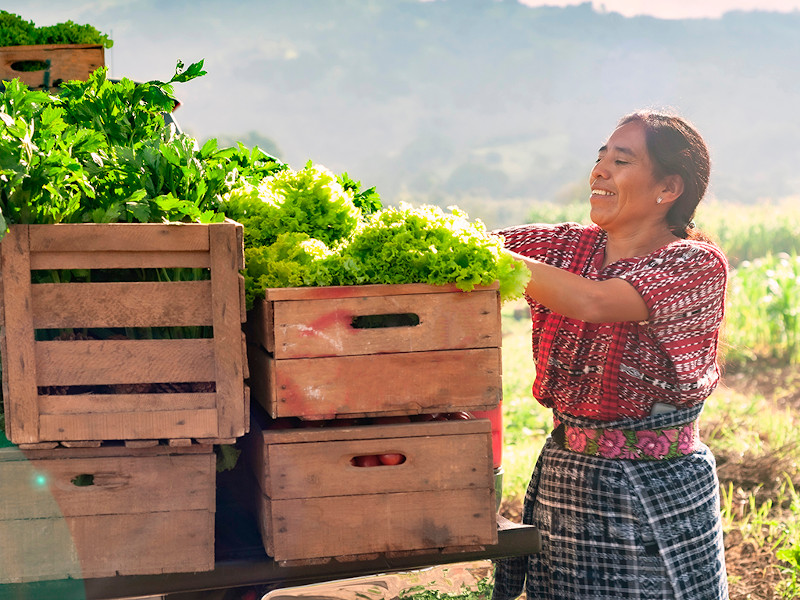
(621, 529)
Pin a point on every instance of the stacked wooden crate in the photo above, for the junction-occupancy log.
(126, 415)
(99, 512)
(55, 62)
(375, 363)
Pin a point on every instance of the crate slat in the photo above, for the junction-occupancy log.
(98, 362)
(119, 260)
(403, 521)
(347, 291)
(410, 383)
(327, 469)
(107, 546)
(161, 424)
(125, 237)
(329, 327)
(123, 304)
(116, 488)
(119, 403)
(178, 541)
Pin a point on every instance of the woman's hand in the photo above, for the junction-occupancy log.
(608, 301)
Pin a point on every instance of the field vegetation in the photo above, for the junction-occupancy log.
(750, 422)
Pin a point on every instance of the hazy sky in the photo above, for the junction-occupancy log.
(677, 9)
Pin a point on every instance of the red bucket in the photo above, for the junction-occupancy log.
(495, 416)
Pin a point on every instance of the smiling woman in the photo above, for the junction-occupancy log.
(626, 316)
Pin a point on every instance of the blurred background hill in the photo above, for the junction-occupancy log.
(489, 104)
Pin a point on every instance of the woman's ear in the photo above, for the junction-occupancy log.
(673, 188)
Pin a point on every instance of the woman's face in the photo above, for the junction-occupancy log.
(624, 191)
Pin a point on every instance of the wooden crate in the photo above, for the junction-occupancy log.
(67, 62)
(102, 389)
(315, 504)
(313, 353)
(98, 512)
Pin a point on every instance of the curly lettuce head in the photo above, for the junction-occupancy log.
(293, 260)
(428, 245)
(311, 201)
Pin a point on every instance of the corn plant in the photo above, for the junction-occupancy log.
(763, 311)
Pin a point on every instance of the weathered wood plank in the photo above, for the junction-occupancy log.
(125, 237)
(431, 463)
(110, 486)
(348, 291)
(260, 325)
(402, 521)
(121, 304)
(17, 453)
(330, 327)
(116, 403)
(2, 308)
(133, 425)
(179, 442)
(82, 444)
(141, 443)
(119, 260)
(96, 362)
(177, 541)
(411, 382)
(226, 319)
(19, 357)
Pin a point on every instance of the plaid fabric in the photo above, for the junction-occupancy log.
(609, 371)
(621, 529)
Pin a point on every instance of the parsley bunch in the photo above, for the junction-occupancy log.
(100, 151)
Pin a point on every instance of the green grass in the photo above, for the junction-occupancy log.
(763, 317)
(525, 422)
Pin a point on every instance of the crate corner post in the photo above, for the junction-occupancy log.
(19, 363)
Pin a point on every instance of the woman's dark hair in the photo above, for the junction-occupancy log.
(676, 148)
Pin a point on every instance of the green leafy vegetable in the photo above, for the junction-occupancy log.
(100, 151)
(368, 201)
(393, 245)
(310, 201)
(227, 456)
(293, 260)
(429, 245)
(15, 31)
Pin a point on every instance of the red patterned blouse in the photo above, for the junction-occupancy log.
(609, 371)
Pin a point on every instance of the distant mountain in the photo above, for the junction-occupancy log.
(465, 99)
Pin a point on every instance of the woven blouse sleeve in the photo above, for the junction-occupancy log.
(684, 289)
(533, 240)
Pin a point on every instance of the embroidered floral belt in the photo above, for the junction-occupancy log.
(647, 444)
